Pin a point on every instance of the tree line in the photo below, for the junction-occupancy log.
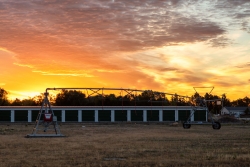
(146, 98)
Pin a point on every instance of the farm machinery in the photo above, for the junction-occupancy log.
(201, 103)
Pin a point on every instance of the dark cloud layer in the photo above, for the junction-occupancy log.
(92, 25)
(117, 25)
(244, 66)
(124, 25)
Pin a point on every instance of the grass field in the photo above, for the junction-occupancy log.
(126, 145)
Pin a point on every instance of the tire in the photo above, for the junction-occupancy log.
(186, 126)
(216, 125)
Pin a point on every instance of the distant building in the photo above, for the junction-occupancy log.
(236, 111)
(105, 113)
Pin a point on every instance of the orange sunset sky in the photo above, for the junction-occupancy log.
(162, 45)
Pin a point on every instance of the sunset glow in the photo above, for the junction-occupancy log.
(169, 46)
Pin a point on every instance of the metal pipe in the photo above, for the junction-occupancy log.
(47, 89)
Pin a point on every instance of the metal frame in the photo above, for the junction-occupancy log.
(45, 108)
(128, 91)
(201, 103)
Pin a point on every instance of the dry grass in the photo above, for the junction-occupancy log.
(126, 145)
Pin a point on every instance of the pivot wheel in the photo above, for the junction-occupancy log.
(216, 125)
(186, 126)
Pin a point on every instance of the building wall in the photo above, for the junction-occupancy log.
(224, 111)
(236, 111)
(99, 113)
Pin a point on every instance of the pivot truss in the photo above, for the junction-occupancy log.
(46, 116)
(100, 91)
(129, 93)
(201, 103)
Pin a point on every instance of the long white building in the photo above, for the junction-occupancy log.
(104, 113)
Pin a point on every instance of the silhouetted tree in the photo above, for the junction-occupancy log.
(17, 102)
(174, 100)
(244, 102)
(111, 100)
(24, 102)
(39, 99)
(70, 98)
(77, 98)
(3, 97)
(29, 102)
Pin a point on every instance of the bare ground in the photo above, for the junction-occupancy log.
(126, 145)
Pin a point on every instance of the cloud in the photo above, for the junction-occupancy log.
(233, 3)
(243, 15)
(6, 51)
(127, 43)
(235, 12)
(169, 69)
(65, 73)
(101, 25)
(87, 32)
(23, 65)
(246, 26)
(220, 41)
(244, 66)
(129, 79)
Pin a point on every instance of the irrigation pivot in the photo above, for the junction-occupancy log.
(46, 122)
(46, 116)
(200, 103)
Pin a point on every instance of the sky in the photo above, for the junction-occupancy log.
(162, 45)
